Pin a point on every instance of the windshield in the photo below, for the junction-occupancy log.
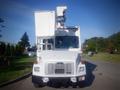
(66, 42)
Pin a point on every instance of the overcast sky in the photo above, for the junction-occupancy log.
(96, 17)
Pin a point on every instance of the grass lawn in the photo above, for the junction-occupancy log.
(104, 57)
(17, 68)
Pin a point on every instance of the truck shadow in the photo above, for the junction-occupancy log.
(90, 67)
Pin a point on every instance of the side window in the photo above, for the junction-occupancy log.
(47, 44)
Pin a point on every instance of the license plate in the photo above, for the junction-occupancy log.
(59, 71)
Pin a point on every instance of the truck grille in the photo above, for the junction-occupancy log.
(59, 68)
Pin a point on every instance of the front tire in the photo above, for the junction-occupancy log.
(81, 84)
(38, 85)
(74, 85)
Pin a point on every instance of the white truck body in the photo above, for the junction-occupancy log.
(58, 49)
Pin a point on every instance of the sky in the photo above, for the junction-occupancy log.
(96, 18)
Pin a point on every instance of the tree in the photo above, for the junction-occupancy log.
(91, 44)
(2, 48)
(5, 54)
(24, 41)
(110, 47)
(110, 44)
(7, 50)
(12, 49)
(115, 38)
(18, 50)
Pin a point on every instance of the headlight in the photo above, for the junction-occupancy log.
(81, 69)
(36, 69)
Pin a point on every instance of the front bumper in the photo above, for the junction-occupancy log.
(45, 80)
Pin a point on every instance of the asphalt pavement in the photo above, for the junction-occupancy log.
(101, 75)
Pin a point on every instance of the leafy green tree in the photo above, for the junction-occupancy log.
(101, 44)
(110, 47)
(7, 54)
(12, 50)
(7, 50)
(110, 44)
(24, 42)
(2, 48)
(18, 50)
(90, 44)
(114, 41)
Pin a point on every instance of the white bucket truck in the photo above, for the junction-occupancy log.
(58, 50)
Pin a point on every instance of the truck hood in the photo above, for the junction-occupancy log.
(58, 55)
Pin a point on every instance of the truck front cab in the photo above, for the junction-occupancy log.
(58, 50)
